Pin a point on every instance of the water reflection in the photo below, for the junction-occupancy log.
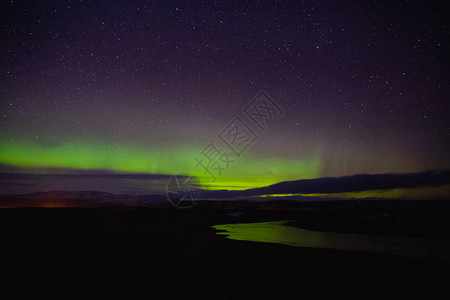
(279, 233)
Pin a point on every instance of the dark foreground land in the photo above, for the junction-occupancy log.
(168, 253)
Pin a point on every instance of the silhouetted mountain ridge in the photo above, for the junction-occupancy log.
(353, 183)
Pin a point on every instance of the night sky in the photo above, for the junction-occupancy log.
(146, 86)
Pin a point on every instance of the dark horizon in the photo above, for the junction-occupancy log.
(435, 183)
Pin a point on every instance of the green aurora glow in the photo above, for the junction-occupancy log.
(244, 172)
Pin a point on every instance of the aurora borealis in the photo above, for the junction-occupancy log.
(143, 87)
(247, 173)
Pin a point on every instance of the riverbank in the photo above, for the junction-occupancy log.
(140, 253)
